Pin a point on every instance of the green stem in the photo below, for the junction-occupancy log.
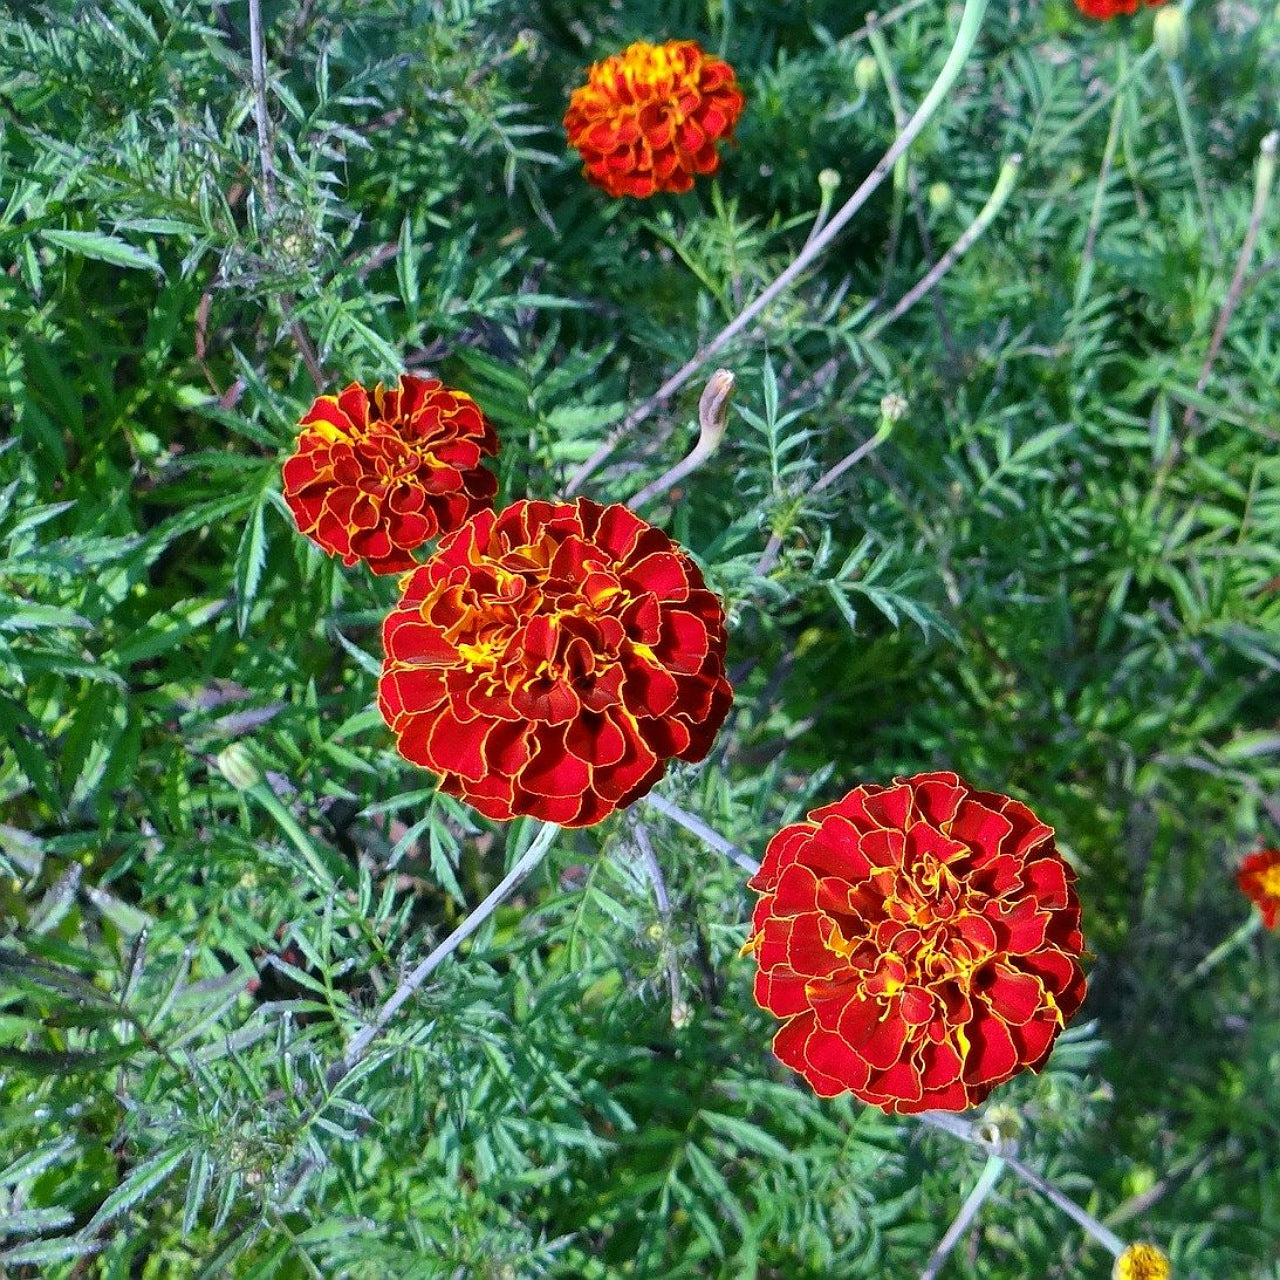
(1215, 957)
(1193, 156)
(987, 1180)
(1085, 278)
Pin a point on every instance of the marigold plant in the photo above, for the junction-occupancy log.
(377, 474)
(1259, 879)
(549, 660)
(922, 941)
(1106, 9)
(649, 119)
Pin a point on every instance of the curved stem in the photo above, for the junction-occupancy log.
(966, 38)
(360, 1043)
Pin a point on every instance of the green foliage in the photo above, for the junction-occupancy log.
(1057, 574)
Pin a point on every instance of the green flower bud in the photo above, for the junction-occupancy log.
(866, 73)
(1171, 33)
(238, 766)
(828, 180)
(940, 197)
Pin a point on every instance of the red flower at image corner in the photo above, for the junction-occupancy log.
(376, 474)
(550, 659)
(1106, 9)
(922, 940)
(649, 119)
(1259, 879)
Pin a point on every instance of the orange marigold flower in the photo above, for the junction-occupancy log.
(1141, 1262)
(377, 474)
(1259, 880)
(550, 659)
(648, 119)
(1106, 9)
(922, 940)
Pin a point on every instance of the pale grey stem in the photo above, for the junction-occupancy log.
(663, 900)
(711, 838)
(713, 417)
(987, 1180)
(1263, 183)
(258, 65)
(966, 37)
(986, 215)
(361, 1041)
(966, 1132)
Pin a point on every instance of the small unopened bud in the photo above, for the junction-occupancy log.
(1171, 33)
(237, 765)
(940, 197)
(681, 1015)
(828, 180)
(654, 932)
(866, 73)
(1001, 1126)
(893, 408)
(713, 409)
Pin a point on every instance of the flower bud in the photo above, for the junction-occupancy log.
(681, 1015)
(866, 73)
(238, 766)
(893, 408)
(1171, 33)
(940, 197)
(828, 181)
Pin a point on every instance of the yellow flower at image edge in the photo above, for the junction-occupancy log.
(1142, 1262)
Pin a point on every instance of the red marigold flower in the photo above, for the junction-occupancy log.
(1106, 9)
(377, 474)
(649, 118)
(922, 940)
(1259, 880)
(550, 659)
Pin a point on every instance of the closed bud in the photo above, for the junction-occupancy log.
(940, 197)
(681, 1015)
(1171, 33)
(893, 408)
(238, 766)
(828, 181)
(866, 73)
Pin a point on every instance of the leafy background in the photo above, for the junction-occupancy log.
(1058, 576)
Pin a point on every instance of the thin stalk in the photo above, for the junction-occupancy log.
(965, 1131)
(987, 1180)
(258, 71)
(986, 216)
(365, 1037)
(710, 837)
(1178, 85)
(1264, 180)
(1085, 278)
(1100, 103)
(966, 38)
(662, 899)
(1237, 938)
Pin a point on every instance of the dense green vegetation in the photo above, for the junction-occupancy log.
(1057, 575)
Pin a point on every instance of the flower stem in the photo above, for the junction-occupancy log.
(713, 417)
(987, 1180)
(713, 839)
(1179, 88)
(360, 1043)
(986, 215)
(1234, 940)
(1085, 277)
(967, 1132)
(966, 38)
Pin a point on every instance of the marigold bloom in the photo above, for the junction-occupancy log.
(550, 659)
(1141, 1262)
(1106, 9)
(922, 940)
(1259, 879)
(377, 474)
(648, 119)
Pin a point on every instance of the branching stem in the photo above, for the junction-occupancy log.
(966, 38)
